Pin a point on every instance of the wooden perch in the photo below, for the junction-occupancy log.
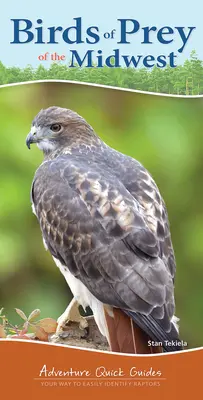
(74, 336)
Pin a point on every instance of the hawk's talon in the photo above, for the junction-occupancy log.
(71, 314)
(85, 336)
(83, 324)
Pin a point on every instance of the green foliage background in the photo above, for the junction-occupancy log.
(186, 79)
(164, 133)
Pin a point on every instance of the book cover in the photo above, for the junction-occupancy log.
(101, 216)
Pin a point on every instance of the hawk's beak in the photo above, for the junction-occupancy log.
(31, 138)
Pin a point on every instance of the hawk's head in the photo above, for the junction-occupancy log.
(57, 127)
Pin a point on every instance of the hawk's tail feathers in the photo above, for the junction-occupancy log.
(125, 336)
(170, 340)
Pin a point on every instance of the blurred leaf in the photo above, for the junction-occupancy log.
(48, 324)
(40, 333)
(21, 313)
(34, 314)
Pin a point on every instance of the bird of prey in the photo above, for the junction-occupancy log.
(106, 226)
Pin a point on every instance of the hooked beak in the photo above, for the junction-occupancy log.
(31, 138)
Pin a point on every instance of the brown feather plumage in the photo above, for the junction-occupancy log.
(125, 336)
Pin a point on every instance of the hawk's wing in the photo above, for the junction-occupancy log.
(94, 226)
(141, 185)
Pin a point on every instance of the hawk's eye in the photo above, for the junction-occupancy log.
(55, 127)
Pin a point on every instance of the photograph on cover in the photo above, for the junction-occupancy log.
(111, 188)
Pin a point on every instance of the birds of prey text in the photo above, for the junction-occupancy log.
(105, 223)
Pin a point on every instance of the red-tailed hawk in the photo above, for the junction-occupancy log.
(106, 225)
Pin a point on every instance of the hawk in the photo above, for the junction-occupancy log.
(106, 226)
